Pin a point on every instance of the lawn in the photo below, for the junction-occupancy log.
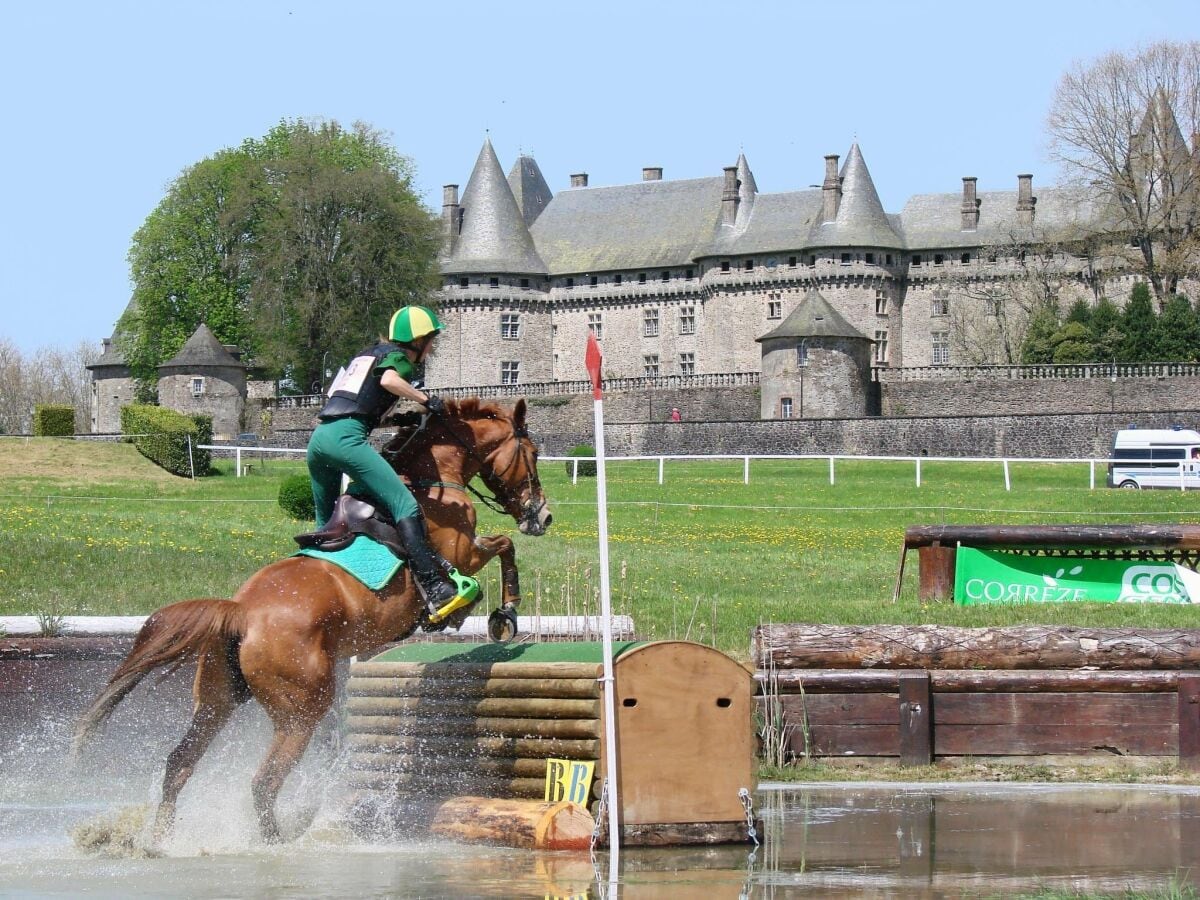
(97, 529)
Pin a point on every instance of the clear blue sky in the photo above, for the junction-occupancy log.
(105, 103)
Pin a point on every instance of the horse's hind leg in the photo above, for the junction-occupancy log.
(217, 691)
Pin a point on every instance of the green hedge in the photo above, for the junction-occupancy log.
(296, 497)
(161, 435)
(53, 420)
(587, 468)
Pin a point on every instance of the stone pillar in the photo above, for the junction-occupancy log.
(970, 205)
(729, 196)
(831, 190)
(451, 221)
(1025, 199)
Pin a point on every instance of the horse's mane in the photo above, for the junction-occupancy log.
(411, 438)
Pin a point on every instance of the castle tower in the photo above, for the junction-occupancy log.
(204, 377)
(815, 365)
(529, 188)
(860, 220)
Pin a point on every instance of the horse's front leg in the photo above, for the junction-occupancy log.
(500, 545)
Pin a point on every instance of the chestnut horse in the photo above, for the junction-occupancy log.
(278, 639)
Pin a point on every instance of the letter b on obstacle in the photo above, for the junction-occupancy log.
(569, 779)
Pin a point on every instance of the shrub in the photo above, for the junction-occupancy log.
(588, 468)
(296, 497)
(162, 436)
(53, 420)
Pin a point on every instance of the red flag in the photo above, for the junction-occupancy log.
(592, 359)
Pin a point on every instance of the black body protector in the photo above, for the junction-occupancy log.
(358, 389)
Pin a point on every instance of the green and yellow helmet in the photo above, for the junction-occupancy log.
(413, 322)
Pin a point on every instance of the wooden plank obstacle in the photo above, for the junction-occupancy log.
(430, 724)
(924, 692)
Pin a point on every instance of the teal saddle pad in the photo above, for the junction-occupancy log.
(367, 560)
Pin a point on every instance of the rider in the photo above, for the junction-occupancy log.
(358, 399)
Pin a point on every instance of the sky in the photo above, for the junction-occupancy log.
(106, 103)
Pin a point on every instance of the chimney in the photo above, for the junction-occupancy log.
(831, 190)
(729, 197)
(970, 205)
(105, 345)
(652, 173)
(451, 217)
(1025, 199)
(579, 179)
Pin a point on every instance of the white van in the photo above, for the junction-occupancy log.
(1155, 457)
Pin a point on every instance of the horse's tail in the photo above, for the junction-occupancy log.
(174, 634)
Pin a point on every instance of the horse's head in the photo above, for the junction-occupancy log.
(506, 459)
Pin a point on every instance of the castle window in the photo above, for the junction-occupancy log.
(939, 306)
(724, 265)
(845, 259)
(666, 276)
(965, 258)
(464, 282)
(510, 371)
(524, 282)
(570, 283)
(916, 260)
(941, 348)
(749, 265)
(510, 326)
(596, 325)
(650, 365)
(870, 259)
(881, 303)
(618, 279)
(792, 261)
(687, 320)
(494, 282)
(775, 307)
(650, 322)
(785, 407)
(641, 277)
(888, 259)
(881, 346)
(687, 363)
(593, 281)
(938, 259)
(197, 387)
(690, 274)
(812, 259)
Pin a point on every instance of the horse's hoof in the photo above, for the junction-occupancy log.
(502, 624)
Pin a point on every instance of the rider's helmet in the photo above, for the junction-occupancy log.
(411, 323)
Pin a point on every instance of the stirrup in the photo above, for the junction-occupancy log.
(466, 592)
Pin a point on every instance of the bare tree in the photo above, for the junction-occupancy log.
(50, 375)
(1117, 125)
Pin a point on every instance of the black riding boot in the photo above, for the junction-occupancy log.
(427, 567)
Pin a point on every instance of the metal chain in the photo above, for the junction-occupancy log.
(748, 805)
(601, 814)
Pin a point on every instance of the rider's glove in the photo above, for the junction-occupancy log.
(435, 404)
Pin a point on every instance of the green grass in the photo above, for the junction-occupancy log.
(702, 556)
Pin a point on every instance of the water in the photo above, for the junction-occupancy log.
(826, 840)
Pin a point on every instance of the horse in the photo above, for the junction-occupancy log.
(277, 640)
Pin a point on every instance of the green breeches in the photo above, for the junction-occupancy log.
(341, 448)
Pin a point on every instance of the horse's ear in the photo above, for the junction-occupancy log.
(518, 413)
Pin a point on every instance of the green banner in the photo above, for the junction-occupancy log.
(990, 576)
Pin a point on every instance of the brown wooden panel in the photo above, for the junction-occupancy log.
(1188, 711)
(843, 740)
(1069, 709)
(1018, 740)
(849, 681)
(916, 719)
(841, 709)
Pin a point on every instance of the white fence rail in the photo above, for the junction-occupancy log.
(1184, 470)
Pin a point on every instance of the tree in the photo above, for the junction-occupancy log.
(50, 375)
(1177, 332)
(1137, 323)
(1073, 343)
(1037, 348)
(288, 246)
(1117, 126)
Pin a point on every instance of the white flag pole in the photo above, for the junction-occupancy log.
(594, 359)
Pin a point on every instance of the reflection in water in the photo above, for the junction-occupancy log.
(820, 840)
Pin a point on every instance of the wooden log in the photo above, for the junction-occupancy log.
(946, 647)
(1068, 710)
(468, 725)
(459, 671)
(476, 747)
(1165, 537)
(424, 763)
(404, 784)
(533, 825)
(935, 576)
(944, 681)
(483, 707)
(565, 688)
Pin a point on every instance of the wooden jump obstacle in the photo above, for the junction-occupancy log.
(936, 546)
(431, 724)
(923, 692)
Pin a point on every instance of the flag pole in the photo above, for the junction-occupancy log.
(594, 359)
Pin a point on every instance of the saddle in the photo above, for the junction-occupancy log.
(352, 517)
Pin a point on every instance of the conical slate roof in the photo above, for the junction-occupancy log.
(494, 236)
(861, 221)
(202, 350)
(529, 188)
(814, 317)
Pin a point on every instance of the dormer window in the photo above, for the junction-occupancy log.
(197, 387)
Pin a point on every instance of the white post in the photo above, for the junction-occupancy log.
(191, 461)
(918, 471)
(1091, 474)
(575, 471)
(745, 470)
(237, 462)
(831, 470)
(1182, 478)
(1007, 482)
(660, 469)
